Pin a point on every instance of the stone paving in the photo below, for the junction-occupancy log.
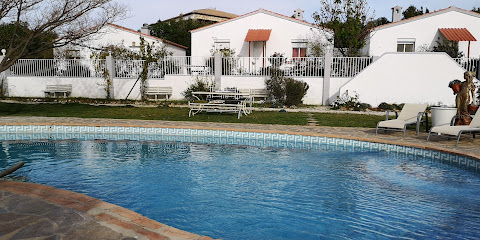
(41, 212)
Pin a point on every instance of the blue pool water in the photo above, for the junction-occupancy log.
(244, 192)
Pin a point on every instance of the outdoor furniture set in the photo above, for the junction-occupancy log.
(221, 102)
(413, 114)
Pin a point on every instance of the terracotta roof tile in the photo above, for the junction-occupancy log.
(457, 34)
(258, 35)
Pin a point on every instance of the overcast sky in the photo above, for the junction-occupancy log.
(150, 11)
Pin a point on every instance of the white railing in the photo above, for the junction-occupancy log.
(79, 68)
(469, 64)
(128, 68)
(346, 67)
(170, 65)
(174, 65)
(262, 66)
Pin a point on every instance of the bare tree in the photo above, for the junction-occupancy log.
(71, 21)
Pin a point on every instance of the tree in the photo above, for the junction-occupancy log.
(379, 21)
(412, 11)
(177, 31)
(349, 20)
(22, 31)
(35, 21)
(476, 9)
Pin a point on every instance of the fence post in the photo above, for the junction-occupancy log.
(326, 78)
(218, 70)
(478, 68)
(110, 66)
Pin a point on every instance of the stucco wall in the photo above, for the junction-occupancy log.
(425, 32)
(283, 31)
(407, 78)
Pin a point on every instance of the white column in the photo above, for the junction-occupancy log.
(326, 78)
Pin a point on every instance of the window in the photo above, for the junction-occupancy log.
(299, 48)
(221, 44)
(299, 52)
(406, 45)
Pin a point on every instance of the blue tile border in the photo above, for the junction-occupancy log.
(227, 137)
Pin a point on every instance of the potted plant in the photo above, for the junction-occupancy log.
(455, 85)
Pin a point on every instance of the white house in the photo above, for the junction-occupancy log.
(259, 33)
(113, 34)
(425, 31)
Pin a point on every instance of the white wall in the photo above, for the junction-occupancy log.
(425, 32)
(283, 31)
(407, 78)
(34, 86)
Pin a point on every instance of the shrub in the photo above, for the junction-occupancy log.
(294, 91)
(285, 91)
(347, 102)
(385, 106)
(200, 85)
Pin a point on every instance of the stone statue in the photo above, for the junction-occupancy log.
(463, 99)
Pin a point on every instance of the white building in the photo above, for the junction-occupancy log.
(425, 31)
(113, 34)
(259, 33)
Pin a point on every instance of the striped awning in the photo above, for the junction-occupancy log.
(258, 35)
(457, 34)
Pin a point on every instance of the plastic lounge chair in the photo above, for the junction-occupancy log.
(457, 131)
(410, 114)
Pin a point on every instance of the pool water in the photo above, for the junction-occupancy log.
(244, 192)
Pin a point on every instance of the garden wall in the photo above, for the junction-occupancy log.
(407, 78)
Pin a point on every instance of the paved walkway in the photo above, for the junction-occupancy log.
(36, 211)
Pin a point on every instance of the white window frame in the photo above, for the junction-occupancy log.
(219, 44)
(406, 42)
(298, 44)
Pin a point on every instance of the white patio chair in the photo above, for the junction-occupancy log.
(410, 114)
(457, 131)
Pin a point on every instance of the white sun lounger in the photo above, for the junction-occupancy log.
(457, 131)
(410, 114)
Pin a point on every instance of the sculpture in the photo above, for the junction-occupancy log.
(463, 99)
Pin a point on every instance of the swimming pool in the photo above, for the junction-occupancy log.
(285, 187)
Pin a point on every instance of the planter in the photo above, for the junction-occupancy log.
(442, 115)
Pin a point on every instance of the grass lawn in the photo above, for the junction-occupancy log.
(181, 114)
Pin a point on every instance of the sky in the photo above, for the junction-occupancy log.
(150, 11)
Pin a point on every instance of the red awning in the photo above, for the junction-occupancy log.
(258, 35)
(457, 34)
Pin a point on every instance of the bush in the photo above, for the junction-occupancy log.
(200, 85)
(347, 102)
(285, 91)
(385, 106)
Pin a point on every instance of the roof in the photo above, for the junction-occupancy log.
(258, 35)
(146, 35)
(253, 13)
(457, 34)
(427, 15)
(207, 12)
(214, 12)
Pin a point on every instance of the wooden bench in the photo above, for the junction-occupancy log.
(64, 89)
(256, 93)
(159, 91)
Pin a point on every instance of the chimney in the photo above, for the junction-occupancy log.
(145, 29)
(298, 14)
(396, 13)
